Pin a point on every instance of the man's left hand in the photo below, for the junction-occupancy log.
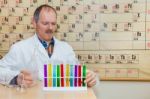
(90, 78)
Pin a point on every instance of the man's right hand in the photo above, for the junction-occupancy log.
(25, 78)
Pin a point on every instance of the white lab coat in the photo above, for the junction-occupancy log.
(31, 55)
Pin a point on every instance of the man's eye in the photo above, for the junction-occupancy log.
(45, 23)
(53, 23)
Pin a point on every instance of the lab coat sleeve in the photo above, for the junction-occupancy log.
(96, 88)
(8, 65)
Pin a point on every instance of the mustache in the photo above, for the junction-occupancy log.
(48, 31)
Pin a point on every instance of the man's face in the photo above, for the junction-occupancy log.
(46, 25)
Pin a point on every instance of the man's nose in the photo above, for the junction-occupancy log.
(50, 26)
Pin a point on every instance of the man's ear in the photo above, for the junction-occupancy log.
(33, 22)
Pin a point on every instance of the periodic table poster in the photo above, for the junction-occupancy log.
(111, 36)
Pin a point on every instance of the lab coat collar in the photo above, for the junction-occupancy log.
(41, 47)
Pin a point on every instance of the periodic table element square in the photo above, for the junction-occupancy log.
(148, 16)
(24, 3)
(110, 59)
(27, 35)
(88, 36)
(121, 73)
(105, 26)
(138, 36)
(121, 59)
(76, 27)
(147, 27)
(4, 45)
(61, 9)
(3, 3)
(72, 2)
(12, 3)
(133, 58)
(70, 37)
(62, 36)
(76, 18)
(25, 20)
(90, 2)
(99, 58)
(4, 29)
(17, 28)
(40, 2)
(127, 17)
(105, 8)
(28, 28)
(91, 18)
(117, 7)
(119, 27)
(49, 2)
(31, 11)
(140, 26)
(75, 37)
(102, 72)
(63, 2)
(148, 44)
(77, 9)
(13, 20)
(76, 45)
(2, 37)
(13, 38)
(139, 7)
(90, 59)
(133, 73)
(4, 20)
(63, 28)
(138, 17)
(91, 9)
(16, 11)
(33, 3)
(63, 18)
(113, 45)
(56, 2)
(139, 44)
(110, 73)
(148, 33)
(91, 27)
(148, 8)
(4, 11)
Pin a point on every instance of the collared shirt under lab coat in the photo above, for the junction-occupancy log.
(29, 53)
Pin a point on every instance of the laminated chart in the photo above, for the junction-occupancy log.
(63, 77)
(112, 37)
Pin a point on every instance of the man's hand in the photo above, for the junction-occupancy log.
(90, 78)
(25, 79)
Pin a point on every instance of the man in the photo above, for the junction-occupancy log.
(36, 51)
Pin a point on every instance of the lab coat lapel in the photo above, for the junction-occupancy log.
(40, 47)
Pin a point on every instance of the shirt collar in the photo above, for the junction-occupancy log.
(46, 44)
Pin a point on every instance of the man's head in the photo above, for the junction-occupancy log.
(44, 21)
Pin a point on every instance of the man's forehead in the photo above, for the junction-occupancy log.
(47, 10)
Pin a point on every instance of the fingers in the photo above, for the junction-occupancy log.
(91, 78)
(25, 78)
